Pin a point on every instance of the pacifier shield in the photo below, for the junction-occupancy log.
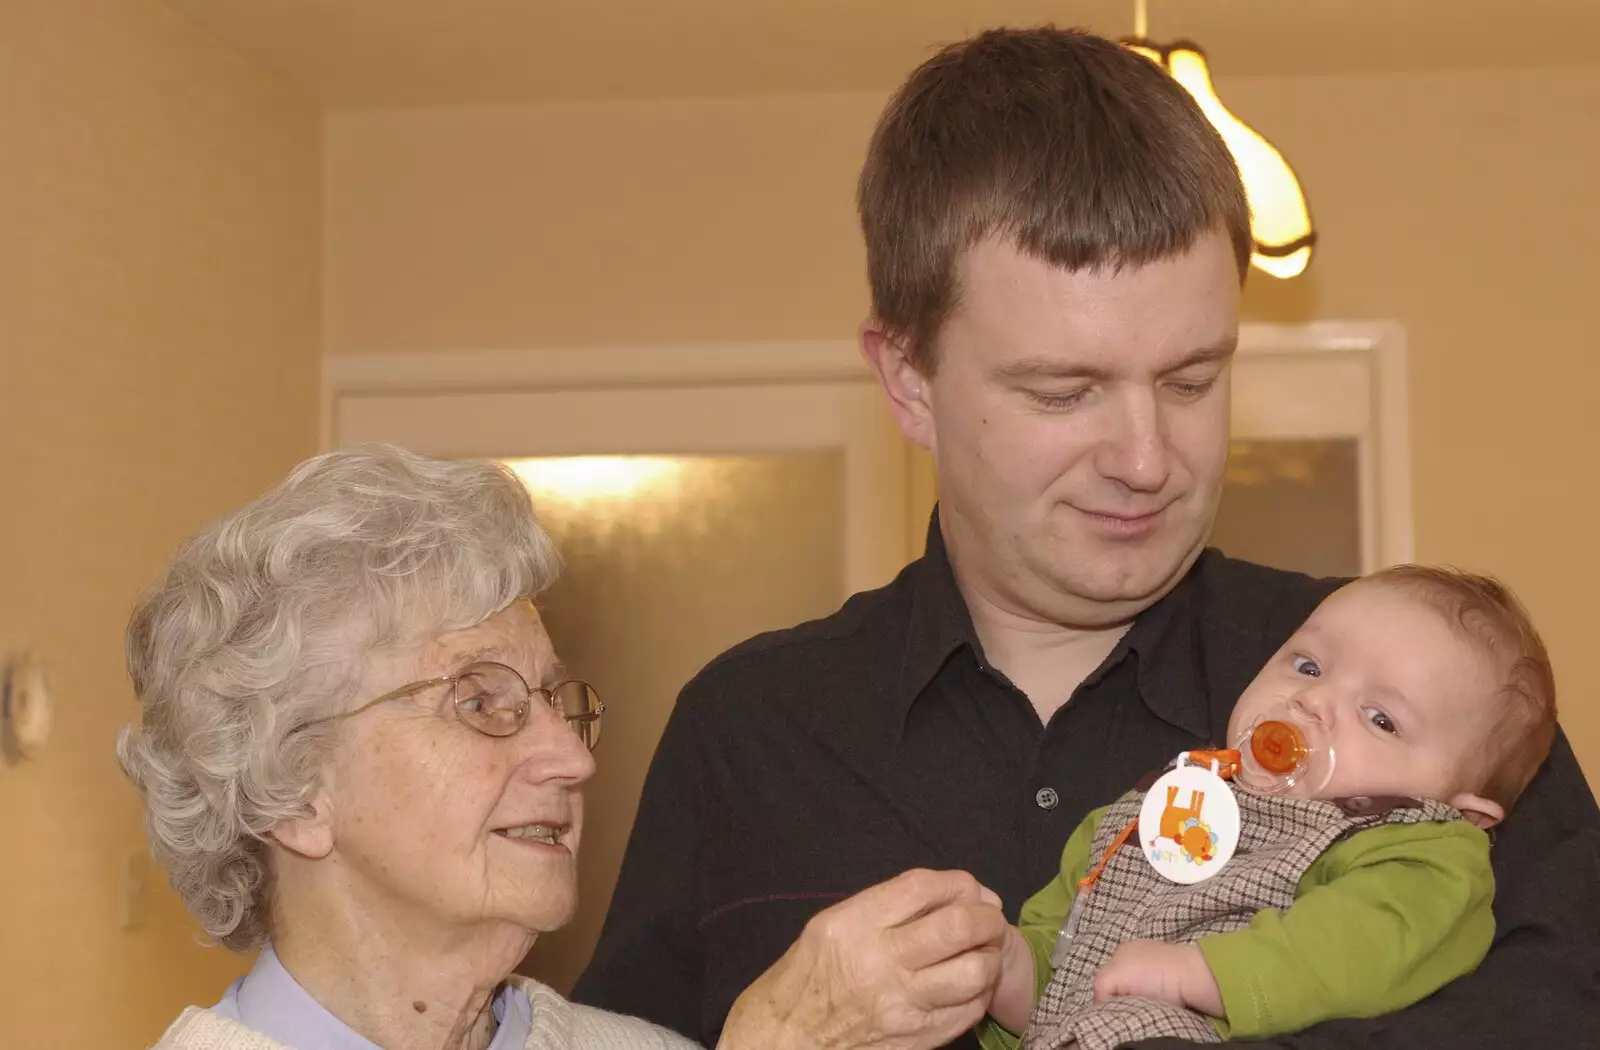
(1189, 823)
(1277, 747)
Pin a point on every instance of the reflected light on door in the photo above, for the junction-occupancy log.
(600, 492)
(589, 479)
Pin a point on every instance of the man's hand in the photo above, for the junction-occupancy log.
(1173, 973)
(908, 964)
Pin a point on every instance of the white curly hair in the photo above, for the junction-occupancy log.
(262, 624)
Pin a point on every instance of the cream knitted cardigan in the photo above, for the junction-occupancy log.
(557, 1025)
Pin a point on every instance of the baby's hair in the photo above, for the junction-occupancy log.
(1490, 616)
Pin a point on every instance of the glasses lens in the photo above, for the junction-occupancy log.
(491, 699)
(578, 703)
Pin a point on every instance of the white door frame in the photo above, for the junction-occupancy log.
(1325, 379)
(1337, 379)
(691, 401)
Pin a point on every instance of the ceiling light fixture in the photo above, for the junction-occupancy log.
(1280, 221)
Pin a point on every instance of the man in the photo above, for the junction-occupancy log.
(1056, 241)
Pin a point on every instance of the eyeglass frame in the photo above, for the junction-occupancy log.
(549, 694)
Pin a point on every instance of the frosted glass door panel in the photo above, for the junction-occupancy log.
(669, 560)
(1293, 504)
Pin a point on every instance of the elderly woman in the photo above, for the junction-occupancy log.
(359, 753)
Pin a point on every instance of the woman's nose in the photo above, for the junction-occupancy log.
(552, 750)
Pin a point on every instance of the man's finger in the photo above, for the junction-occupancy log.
(966, 978)
(948, 1025)
(945, 933)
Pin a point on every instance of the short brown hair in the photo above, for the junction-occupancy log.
(1488, 614)
(1084, 152)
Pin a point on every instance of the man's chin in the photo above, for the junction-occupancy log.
(1123, 577)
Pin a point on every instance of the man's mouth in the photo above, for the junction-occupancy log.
(1125, 522)
(1126, 515)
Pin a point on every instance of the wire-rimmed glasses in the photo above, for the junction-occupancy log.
(495, 700)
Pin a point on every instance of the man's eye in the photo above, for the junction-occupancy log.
(1307, 666)
(1192, 391)
(1057, 402)
(1381, 721)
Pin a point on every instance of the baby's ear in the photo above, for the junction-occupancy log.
(1479, 810)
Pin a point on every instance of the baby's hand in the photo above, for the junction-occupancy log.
(1172, 973)
(1012, 1001)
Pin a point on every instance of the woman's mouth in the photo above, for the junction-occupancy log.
(536, 834)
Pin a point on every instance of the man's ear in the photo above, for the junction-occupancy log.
(1479, 810)
(910, 398)
(310, 834)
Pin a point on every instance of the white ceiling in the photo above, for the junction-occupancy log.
(378, 53)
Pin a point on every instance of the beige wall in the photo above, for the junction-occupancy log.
(596, 224)
(1459, 203)
(158, 361)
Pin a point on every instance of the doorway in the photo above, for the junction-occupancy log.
(703, 495)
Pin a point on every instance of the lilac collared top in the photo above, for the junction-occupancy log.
(270, 1001)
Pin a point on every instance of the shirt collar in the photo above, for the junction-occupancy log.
(271, 1002)
(940, 622)
(1171, 670)
(1164, 640)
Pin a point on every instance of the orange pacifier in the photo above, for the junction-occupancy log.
(1280, 753)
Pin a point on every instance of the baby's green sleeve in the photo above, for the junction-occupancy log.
(1384, 919)
(1041, 920)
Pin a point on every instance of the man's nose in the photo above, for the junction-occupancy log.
(1134, 451)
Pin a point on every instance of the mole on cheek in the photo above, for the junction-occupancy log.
(420, 1007)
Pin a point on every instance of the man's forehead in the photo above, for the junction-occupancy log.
(1027, 314)
(1209, 260)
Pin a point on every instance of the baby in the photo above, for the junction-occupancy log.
(1373, 753)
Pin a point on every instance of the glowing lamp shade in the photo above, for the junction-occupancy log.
(1280, 222)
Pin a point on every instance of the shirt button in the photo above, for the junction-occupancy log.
(1046, 798)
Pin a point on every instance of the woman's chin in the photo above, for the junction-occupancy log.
(544, 906)
(536, 884)
(548, 914)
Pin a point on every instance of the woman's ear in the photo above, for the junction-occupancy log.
(311, 834)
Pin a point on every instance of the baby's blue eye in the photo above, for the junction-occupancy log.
(1307, 666)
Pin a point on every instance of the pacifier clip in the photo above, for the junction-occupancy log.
(1188, 829)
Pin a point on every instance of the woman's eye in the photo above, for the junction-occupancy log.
(473, 704)
(1307, 666)
(1381, 721)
